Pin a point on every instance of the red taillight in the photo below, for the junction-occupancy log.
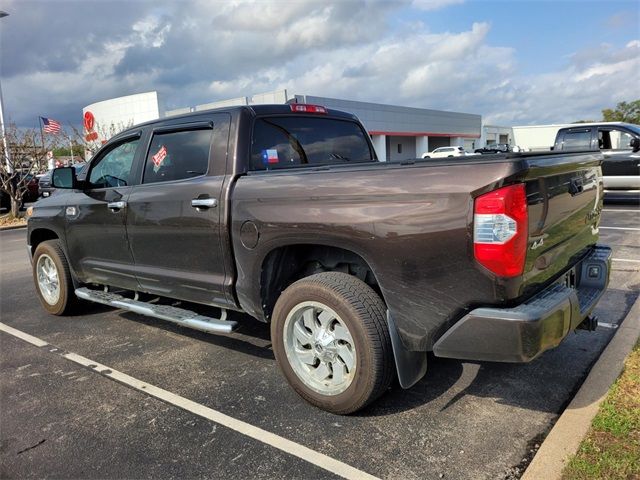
(500, 230)
(305, 108)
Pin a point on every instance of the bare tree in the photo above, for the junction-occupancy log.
(102, 134)
(27, 156)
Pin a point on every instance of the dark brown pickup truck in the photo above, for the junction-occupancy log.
(283, 212)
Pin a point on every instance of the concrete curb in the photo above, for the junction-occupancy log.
(12, 227)
(566, 435)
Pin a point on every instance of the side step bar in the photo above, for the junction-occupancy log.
(176, 315)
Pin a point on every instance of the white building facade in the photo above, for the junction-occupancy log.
(104, 119)
(397, 132)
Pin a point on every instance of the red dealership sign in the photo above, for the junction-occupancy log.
(89, 121)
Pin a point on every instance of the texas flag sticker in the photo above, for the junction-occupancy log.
(270, 156)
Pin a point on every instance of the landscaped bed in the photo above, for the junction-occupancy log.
(10, 221)
(611, 449)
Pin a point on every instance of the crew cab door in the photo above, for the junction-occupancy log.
(95, 217)
(174, 220)
(619, 158)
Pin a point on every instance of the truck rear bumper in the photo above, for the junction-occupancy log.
(522, 333)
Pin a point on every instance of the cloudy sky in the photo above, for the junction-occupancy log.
(515, 62)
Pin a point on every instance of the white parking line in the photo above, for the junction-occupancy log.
(612, 326)
(311, 456)
(620, 210)
(625, 260)
(23, 336)
(620, 228)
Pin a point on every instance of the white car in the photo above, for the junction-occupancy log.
(443, 152)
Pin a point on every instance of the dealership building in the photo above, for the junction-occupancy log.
(397, 132)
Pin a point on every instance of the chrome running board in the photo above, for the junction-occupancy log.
(175, 315)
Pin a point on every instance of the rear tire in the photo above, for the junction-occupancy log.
(331, 341)
(52, 277)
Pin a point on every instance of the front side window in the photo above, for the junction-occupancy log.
(613, 139)
(114, 168)
(290, 141)
(577, 140)
(177, 155)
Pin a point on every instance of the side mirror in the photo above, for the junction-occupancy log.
(635, 144)
(64, 177)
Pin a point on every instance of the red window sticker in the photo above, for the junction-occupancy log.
(159, 156)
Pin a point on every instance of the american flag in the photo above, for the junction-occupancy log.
(50, 125)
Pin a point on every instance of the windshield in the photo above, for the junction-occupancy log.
(291, 141)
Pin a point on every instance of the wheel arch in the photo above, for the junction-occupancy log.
(39, 235)
(285, 264)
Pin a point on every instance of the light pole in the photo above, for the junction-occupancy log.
(2, 131)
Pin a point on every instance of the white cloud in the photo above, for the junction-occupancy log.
(204, 51)
(151, 31)
(435, 4)
(577, 92)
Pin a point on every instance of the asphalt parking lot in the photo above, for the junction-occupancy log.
(463, 420)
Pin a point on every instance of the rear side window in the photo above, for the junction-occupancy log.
(290, 141)
(577, 140)
(177, 155)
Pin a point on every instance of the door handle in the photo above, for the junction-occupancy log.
(204, 202)
(115, 206)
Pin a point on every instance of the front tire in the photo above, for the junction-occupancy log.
(331, 341)
(52, 278)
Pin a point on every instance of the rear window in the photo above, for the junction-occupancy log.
(577, 140)
(291, 141)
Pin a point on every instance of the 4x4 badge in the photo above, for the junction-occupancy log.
(537, 244)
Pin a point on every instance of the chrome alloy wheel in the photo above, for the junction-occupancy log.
(320, 348)
(48, 280)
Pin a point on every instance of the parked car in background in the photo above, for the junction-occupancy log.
(618, 142)
(495, 148)
(45, 187)
(444, 152)
(30, 194)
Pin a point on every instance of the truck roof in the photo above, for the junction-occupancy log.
(601, 124)
(577, 125)
(268, 109)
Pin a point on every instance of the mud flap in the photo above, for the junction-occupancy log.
(410, 366)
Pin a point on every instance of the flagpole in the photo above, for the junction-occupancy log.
(44, 148)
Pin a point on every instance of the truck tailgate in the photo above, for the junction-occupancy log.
(564, 197)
